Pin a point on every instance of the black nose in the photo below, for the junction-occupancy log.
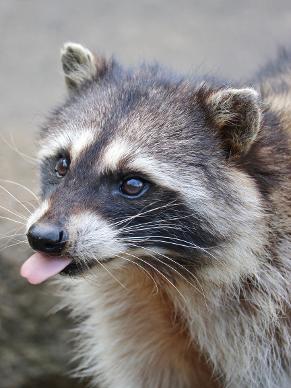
(47, 238)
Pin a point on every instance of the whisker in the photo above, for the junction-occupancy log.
(184, 268)
(10, 231)
(161, 221)
(138, 229)
(164, 276)
(109, 272)
(189, 245)
(135, 215)
(14, 148)
(79, 265)
(147, 272)
(12, 235)
(10, 238)
(12, 245)
(14, 230)
(16, 199)
(30, 204)
(15, 214)
(128, 219)
(174, 269)
(22, 186)
(10, 219)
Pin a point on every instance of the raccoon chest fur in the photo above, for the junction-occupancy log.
(134, 331)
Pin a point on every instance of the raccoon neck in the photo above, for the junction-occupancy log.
(131, 334)
(147, 334)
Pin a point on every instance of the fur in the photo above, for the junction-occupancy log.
(189, 285)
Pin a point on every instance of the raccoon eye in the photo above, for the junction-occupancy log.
(133, 187)
(62, 167)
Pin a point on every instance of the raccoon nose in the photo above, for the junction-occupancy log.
(47, 238)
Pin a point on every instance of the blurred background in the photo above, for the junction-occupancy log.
(229, 38)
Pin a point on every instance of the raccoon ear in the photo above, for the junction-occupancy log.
(80, 65)
(236, 113)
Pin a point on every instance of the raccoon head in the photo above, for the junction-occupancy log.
(142, 166)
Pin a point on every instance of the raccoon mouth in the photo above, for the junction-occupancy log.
(74, 269)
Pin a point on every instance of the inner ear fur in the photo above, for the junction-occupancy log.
(236, 115)
(80, 65)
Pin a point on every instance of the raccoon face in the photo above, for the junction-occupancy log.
(141, 166)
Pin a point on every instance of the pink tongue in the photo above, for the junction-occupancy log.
(40, 267)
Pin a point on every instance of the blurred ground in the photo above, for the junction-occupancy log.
(227, 37)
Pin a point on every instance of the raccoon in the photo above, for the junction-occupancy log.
(165, 203)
